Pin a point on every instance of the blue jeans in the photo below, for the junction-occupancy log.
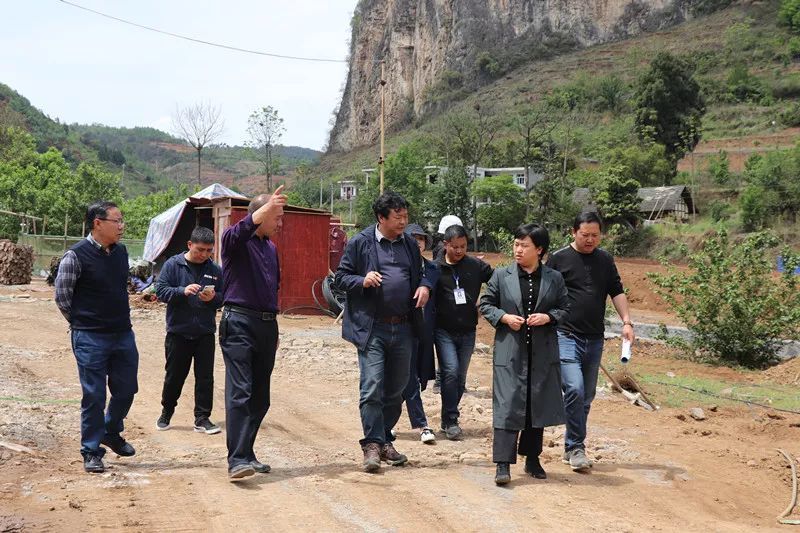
(384, 365)
(454, 351)
(104, 358)
(580, 363)
(416, 412)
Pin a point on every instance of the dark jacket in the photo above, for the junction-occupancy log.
(426, 367)
(360, 257)
(189, 316)
(510, 369)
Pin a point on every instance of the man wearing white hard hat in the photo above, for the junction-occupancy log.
(438, 239)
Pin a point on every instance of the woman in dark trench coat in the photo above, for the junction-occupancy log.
(524, 302)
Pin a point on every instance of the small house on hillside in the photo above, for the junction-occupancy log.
(303, 243)
(655, 203)
(660, 202)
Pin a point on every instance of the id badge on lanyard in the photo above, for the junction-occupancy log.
(459, 293)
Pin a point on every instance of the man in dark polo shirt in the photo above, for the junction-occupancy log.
(92, 294)
(248, 331)
(590, 276)
(381, 271)
(191, 285)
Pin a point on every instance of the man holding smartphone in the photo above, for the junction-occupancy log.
(191, 285)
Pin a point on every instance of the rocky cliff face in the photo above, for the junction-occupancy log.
(430, 46)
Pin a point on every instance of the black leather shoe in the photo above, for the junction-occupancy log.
(260, 467)
(118, 445)
(534, 468)
(93, 464)
(503, 474)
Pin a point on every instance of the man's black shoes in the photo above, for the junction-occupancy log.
(534, 467)
(93, 464)
(259, 467)
(118, 445)
(503, 474)
(240, 471)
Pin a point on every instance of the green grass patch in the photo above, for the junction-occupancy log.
(675, 392)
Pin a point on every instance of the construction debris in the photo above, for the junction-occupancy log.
(16, 263)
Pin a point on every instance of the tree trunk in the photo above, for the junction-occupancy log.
(268, 165)
(199, 180)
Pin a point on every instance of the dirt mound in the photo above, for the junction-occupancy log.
(787, 373)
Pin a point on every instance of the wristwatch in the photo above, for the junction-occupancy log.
(627, 323)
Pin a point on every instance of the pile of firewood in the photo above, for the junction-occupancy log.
(16, 263)
(53, 272)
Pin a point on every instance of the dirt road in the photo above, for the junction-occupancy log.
(653, 470)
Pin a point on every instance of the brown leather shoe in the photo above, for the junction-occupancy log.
(372, 456)
(391, 456)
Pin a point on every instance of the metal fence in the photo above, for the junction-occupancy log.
(46, 247)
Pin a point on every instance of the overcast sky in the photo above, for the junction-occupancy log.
(84, 68)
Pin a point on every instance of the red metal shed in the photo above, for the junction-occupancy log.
(303, 252)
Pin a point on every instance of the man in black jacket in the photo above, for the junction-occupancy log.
(381, 270)
(456, 320)
(191, 285)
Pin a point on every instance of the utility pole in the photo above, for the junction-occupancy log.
(331, 196)
(122, 183)
(320, 192)
(383, 104)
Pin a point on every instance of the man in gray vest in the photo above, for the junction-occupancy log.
(92, 294)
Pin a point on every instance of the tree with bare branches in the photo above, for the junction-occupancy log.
(265, 129)
(198, 124)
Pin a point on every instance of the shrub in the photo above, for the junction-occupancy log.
(488, 65)
(789, 14)
(719, 210)
(794, 47)
(622, 241)
(719, 168)
(744, 86)
(791, 115)
(737, 312)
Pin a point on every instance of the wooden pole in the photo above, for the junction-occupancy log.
(44, 226)
(383, 104)
(66, 220)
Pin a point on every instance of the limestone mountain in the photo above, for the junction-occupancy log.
(437, 51)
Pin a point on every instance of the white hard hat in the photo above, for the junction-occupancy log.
(447, 221)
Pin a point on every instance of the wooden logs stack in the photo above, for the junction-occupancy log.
(16, 263)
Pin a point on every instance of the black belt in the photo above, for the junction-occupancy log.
(265, 316)
(397, 319)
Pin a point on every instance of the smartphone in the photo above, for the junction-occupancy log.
(208, 288)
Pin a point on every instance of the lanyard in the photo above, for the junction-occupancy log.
(456, 278)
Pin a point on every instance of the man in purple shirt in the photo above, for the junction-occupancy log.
(248, 331)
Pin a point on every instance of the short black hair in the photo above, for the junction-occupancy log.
(454, 232)
(99, 210)
(387, 202)
(587, 217)
(202, 235)
(538, 234)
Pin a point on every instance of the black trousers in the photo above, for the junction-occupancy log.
(179, 354)
(504, 444)
(248, 348)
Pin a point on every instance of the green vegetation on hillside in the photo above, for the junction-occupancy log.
(593, 121)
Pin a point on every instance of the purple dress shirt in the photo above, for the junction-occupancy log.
(250, 271)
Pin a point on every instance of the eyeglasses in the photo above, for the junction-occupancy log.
(117, 221)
